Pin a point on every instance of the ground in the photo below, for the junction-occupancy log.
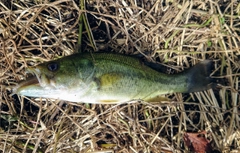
(177, 34)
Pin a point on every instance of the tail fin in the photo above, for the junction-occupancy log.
(199, 77)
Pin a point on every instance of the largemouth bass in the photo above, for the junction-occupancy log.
(107, 78)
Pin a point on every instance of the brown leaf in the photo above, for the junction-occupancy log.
(197, 142)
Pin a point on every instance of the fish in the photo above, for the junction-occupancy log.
(109, 78)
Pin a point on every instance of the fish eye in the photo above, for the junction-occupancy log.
(52, 66)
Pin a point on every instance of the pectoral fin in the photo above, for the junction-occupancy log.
(109, 79)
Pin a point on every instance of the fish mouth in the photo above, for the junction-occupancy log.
(31, 81)
(35, 73)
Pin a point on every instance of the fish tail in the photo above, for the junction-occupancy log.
(199, 77)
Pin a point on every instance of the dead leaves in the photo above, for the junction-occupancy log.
(197, 142)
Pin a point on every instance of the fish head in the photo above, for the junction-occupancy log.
(51, 75)
(58, 77)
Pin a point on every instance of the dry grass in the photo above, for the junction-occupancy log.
(177, 34)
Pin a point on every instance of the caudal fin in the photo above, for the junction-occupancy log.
(199, 77)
